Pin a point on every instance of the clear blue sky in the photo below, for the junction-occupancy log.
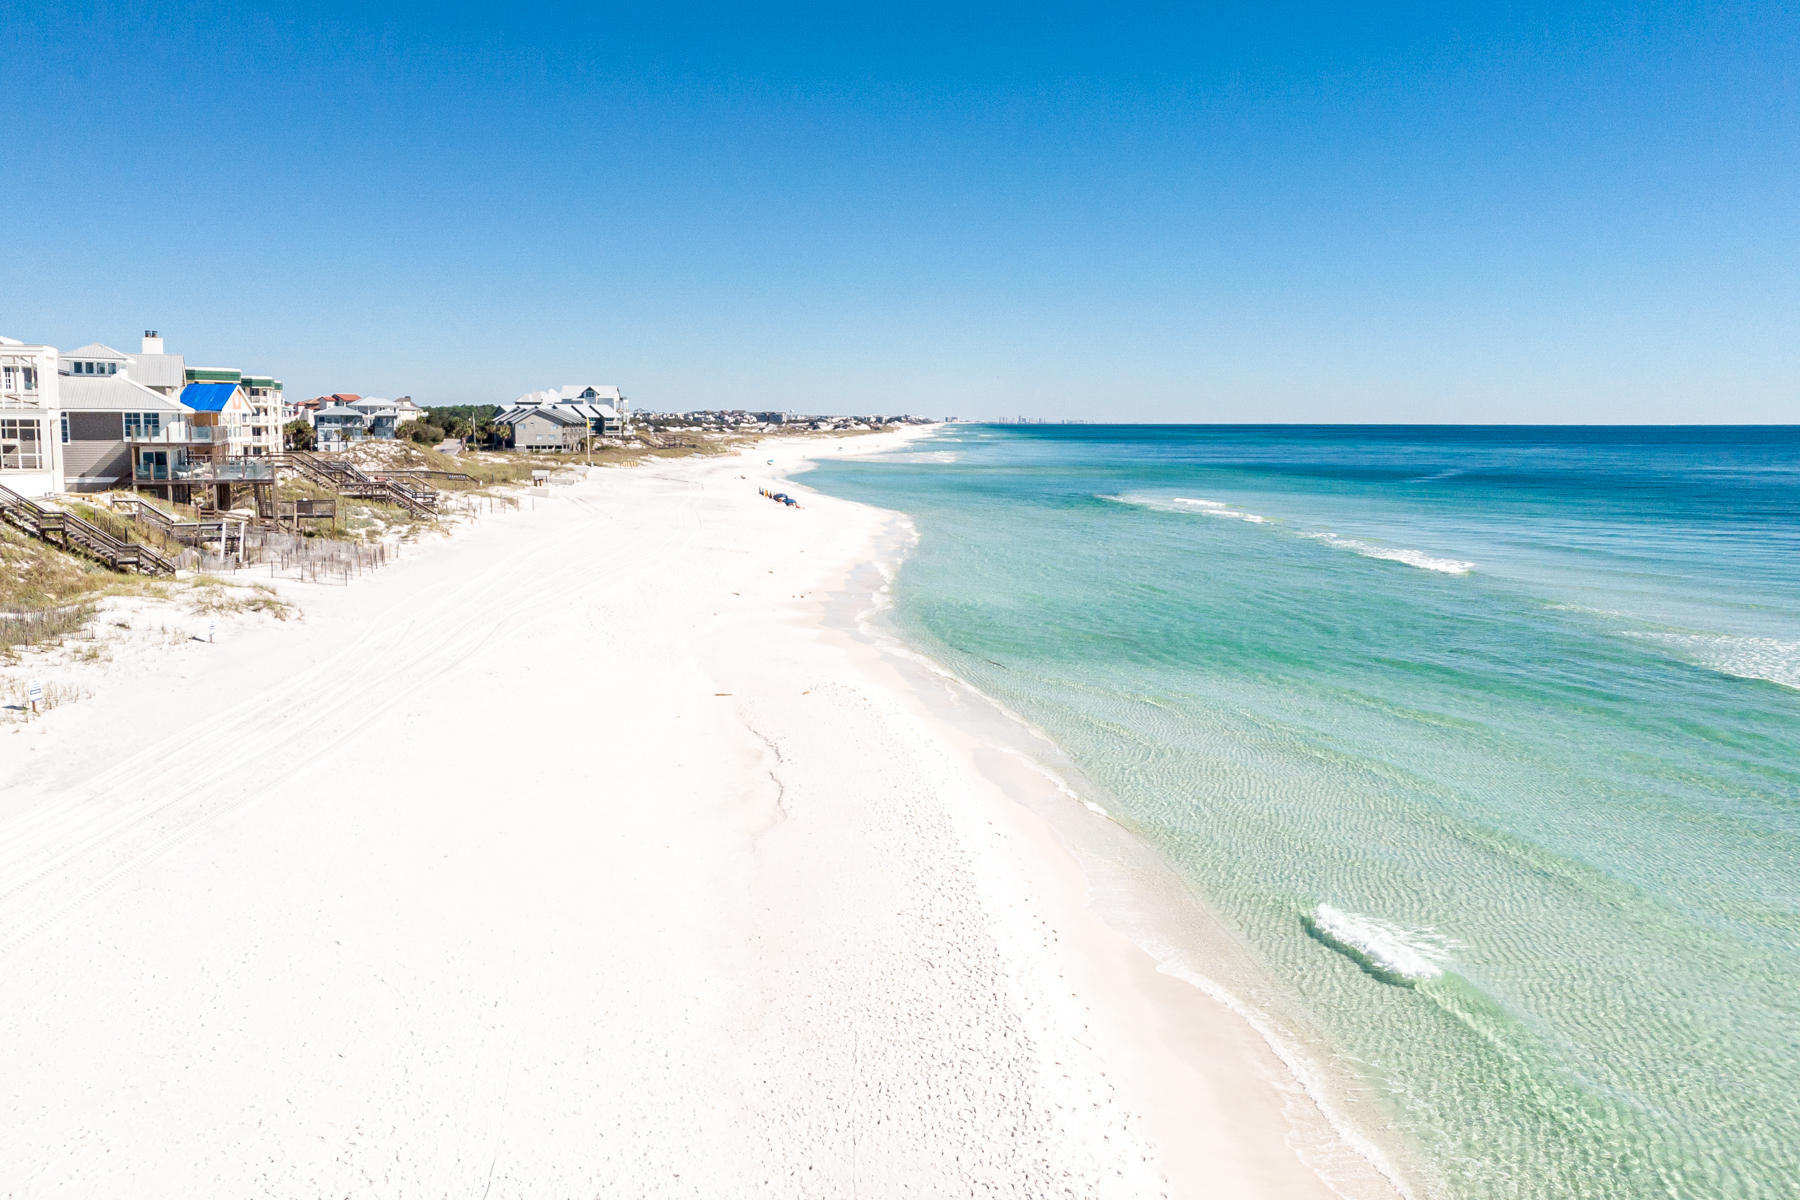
(1331, 212)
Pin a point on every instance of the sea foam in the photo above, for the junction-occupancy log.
(1385, 950)
(1412, 558)
(1218, 508)
(1770, 659)
(1188, 504)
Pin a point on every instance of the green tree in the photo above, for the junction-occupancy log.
(474, 413)
(419, 431)
(298, 435)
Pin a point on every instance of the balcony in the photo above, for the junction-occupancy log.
(180, 433)
(157, 468)
(19, 381)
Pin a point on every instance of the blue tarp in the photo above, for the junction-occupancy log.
(207, 397)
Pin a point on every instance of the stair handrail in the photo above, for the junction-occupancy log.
(40, 521)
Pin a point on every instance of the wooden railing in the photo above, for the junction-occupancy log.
(423, 473)
(348, 480)
(229, 534)
(69, 532)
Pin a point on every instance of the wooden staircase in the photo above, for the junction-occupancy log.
(69, 532)
(230, 533)
(348, 480)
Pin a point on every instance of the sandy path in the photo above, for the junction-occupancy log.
(476, 885)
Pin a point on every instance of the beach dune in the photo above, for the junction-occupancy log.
(588, 852)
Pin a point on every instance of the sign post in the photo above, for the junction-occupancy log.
(35, 694)
(211, 628)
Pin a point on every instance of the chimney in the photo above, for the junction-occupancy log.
(152, 342)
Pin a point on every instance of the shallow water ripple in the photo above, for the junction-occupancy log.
(1506, 800)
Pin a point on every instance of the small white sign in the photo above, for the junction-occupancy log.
(35, 692)
(211, 628)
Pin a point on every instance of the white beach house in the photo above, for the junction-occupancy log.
(30, 418)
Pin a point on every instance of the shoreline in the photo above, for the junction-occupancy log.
(454, 886)
(1135, 913)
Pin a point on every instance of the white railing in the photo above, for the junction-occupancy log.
(176, 432)
(230, 470)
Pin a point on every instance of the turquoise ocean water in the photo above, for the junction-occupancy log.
(1485, 741)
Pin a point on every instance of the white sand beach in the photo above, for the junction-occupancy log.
(588, 852)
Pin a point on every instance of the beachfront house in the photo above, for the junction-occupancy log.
(205, 455)
(225, 409)
(337, 425)
(103, 408)
(30, 418)
(548, 428)
(561, 418)
(609, 415)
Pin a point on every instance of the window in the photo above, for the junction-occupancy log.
(65, 429)
(143, 425)
(20, 449)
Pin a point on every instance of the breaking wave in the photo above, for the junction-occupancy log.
(1412, 558)
(1188, 504)
(1218, 508)
(1384, 950)
(1770, 659)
